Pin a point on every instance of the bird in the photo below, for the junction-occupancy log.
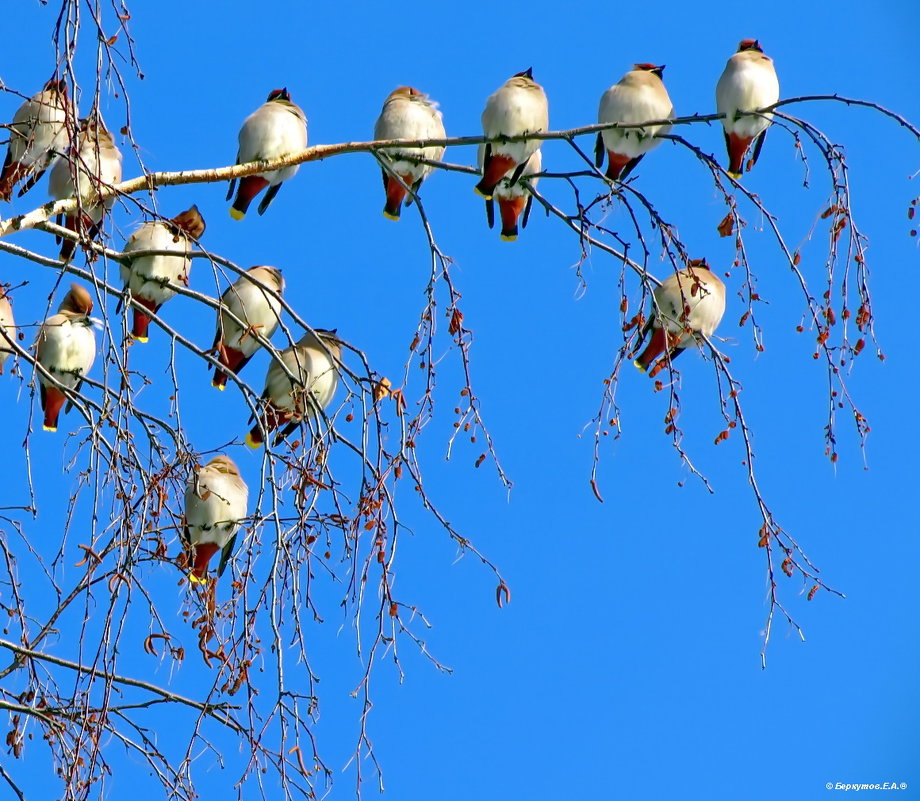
(407, 114)
(639, 96)
(513, 198)
(152, 279)
(688, 303)
(518, 107)
(748, 83)
(216, 503)
(7, 327)
(94, 162)
(277, 128)
(38, 135)
(313, 362)
(259, 312)
(66, 348)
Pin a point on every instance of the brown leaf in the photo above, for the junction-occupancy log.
(727, 226)
(456, 321)
(382, 389)
(111, 40)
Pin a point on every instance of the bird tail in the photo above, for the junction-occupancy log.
(249, 187)
(656, 346)
(52, 402)
(737, 147)
(230, 358)
(11, 175)
(494, 170)
(68, 246)
(616, 165)
(139, 330)
(510, 211)
(203, 554)
(396, 193)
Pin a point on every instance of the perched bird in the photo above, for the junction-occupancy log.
(93, 162)
(518, 107)
(258, 310)
(66, 348)
(38, 135)
(277, 128)
(7, 328)
(748, 83)
(152, 279)
(688, 302)
(513, 198)
(639, 96)
(216, 503)
(313, 362)
(407, 114)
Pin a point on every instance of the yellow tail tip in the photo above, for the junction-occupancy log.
(639, 366)
(221, 387)
(237, 214)
(394, 217)
(508, 238)
(250, 441)
(49, 428)
(193, 579)
(479, 192)
(136, 338)
(735, 175)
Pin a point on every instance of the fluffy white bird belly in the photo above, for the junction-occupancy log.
(70, 352)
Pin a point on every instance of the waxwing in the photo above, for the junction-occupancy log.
(407, 114)
(95, 162)
(313, 362)
(688, 303)
(216, 503)
(152, 279)
(257, 308)
(66, 348)
(277, 128)
(639, 96)
(518, 107)
(38, 135)
(748, 83)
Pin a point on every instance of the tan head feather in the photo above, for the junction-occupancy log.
(76, 301)
(190, 222)
(224, 464)
(270, 276)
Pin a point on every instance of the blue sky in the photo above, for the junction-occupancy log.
(628, 662)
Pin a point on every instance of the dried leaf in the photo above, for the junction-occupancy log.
(382, 389)
(456, 321)
(727, 226)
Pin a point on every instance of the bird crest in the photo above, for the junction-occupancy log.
(279, 94)
(653, 68)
